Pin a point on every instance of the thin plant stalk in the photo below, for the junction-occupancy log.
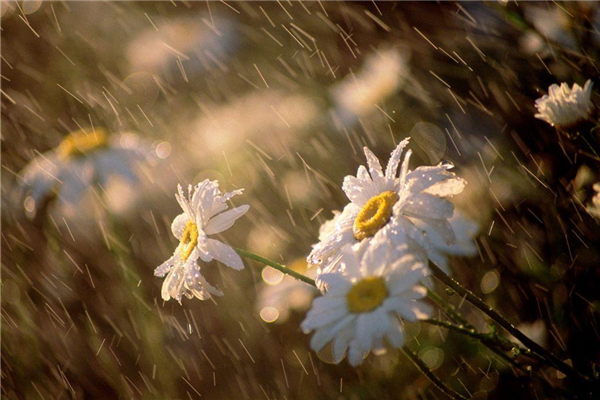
(498, 346)
(431, 376)
(412, 356)
(277, 266)
(466, 328)
(448, 308)
(503, 322)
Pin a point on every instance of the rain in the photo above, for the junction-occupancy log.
(108, 106)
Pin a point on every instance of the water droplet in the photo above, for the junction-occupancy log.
(430, 139)
(29, 205)
(163, 150)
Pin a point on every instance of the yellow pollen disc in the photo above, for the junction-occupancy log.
(79, 143)
(189, 240)
(366, 295)
(374, 215)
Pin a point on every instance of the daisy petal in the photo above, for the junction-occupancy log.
(225, 220)
(225, 254)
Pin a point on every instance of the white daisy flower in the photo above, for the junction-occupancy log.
(81, 160)
(391, 211)
(204, 213)
(565, 107)
(360, 310)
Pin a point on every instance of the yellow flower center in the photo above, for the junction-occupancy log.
(189, 240)
(79, 143)
(366, 294)
(374, 215)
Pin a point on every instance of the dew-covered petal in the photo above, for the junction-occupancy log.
(225, 220)
(178, 225)
(225, 254)
(391, 170)
(428, 206)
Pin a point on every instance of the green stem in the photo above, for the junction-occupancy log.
(276, 266)
(503, 322)
(430, 375)
(498, 346)
(448, 308)
(489, 339)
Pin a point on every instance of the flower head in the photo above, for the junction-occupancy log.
(565, 107)
(82, 159)
(204, 213)
(390, 209)
(360, 310)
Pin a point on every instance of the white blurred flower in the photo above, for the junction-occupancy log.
(204, 213)
(535, 331)
(282, 294)
(188, 43)
(273, 117)
(381, 76)
(553, 23)
(565, 107)
(82, 160)
(360, 310)
(594, 208)
(389, 211)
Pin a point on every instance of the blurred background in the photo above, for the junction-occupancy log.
(279, 98)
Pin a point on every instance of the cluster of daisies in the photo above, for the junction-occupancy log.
(372, 258)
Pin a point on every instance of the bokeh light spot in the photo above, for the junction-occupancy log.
(490, 281)
(269, 314)
(271, 276)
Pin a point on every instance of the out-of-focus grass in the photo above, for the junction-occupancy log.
(246, 93)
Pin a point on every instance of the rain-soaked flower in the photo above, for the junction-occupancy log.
(565, 107)
(282, 294)
(360, 310)
(391, 211)
(84, 158)
(204, 213)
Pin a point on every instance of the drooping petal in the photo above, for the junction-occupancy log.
(395, 334)
(326, 334)
(173, 285)
(225, 254)
(225, 220)
(165, 267)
